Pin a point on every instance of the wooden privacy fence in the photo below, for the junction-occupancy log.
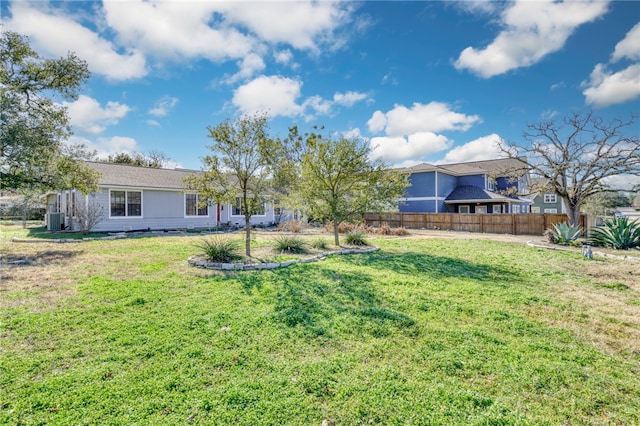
(516, 224)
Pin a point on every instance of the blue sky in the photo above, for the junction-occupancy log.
(432, 81)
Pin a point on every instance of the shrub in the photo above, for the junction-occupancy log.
(618, 233)
(356, 238)
(219, 249)
(292, 226)
(289, 244)
(319, 243)
(563, 233)
(400, 231)
(346, 227)
(385, 229)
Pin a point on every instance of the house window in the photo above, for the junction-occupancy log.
(535, 209)
(463, 209)
(126, 203)
(491, 184)
(551, 210)
(481, 209)
(277, 210)
(515, 208)
(550, 198)
(496, 208)
(191, 203)
(238, 209)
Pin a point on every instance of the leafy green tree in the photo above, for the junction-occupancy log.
(604, 202)
(577, 157)
(339, 181)
(33, 125)
(238, 171)
(155, 159)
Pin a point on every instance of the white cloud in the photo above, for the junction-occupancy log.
(301, 24)
(104, 147)
(274, 95)
(623, 182)
(484, 148)
(163, 106)
(400, 149)
(88, 117)
(606, 88)
(533, 30)
(432, 117)
(249, 65)
(54, 34)
(281, 96)
(352, 133)
(349, 98)
(484, 7)
(153, 123)
(629, 47)
(172, 31)
(283, 57)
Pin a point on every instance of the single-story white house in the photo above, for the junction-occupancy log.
(143, 198)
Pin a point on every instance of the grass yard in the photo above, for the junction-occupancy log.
(424, 331)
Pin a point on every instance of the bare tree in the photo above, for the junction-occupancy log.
(578, 157)
(88, 215)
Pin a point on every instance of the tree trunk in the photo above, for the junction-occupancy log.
(336, 237)
(247, 235)
(573, 213)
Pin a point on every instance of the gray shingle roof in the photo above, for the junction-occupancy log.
(498, 166)
(123, 175)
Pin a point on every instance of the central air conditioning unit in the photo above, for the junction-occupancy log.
(55, 221)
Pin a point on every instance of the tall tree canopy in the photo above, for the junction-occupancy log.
(578, 157)
(238, 169)
(155, 159)
(33, 126)
(339, 181)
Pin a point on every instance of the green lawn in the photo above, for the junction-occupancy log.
(424, 331)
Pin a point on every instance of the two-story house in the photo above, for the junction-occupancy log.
(492, 186)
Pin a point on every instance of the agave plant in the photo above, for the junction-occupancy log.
(563, 233)
(619, 233)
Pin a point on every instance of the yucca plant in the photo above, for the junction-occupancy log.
(219, 249)
(563, 233)
(289, 244)
(619, 233)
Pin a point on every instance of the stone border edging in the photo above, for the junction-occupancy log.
(203, 264)
(598, 253)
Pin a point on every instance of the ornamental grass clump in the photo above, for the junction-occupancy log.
(356, 238)
(219, 249)
(289, 244)
(319, 244)
(618, 233)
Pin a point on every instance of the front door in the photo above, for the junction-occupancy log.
(481, 209)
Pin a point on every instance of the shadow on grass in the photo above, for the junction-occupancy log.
(44, 258)
(42, 233)
(433, 266)
(321, 301)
